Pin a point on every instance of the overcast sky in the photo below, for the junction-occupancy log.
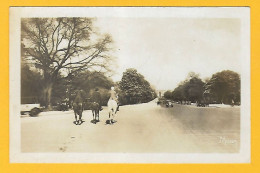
(165, 50)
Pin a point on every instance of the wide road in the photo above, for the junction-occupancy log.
(139, 128)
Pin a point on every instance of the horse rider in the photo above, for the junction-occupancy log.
(79, 97)
(113, 96)
(96, 97)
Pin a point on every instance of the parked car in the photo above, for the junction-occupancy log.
(169, 104)
(31, 109)
(63, 106)
(202, 104)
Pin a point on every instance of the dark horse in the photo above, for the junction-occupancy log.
(95, 111)
(78, 108)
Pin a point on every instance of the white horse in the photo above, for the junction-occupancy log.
(112, 109)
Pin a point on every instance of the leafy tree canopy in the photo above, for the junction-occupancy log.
(134, 88)
(225, 86)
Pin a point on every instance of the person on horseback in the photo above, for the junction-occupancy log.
(113, 96)
(96, 97)
(79, 97)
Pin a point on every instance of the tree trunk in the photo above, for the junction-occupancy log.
(47, 94)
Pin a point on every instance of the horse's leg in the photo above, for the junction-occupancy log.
(116, 108)
(112, 116)
(114, 112)
(98, 114)
(95, 116)
(109, 116)
(80, 116)
(81, 112)
(76, 121)
(79, 120)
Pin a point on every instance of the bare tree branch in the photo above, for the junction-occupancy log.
(54, 44)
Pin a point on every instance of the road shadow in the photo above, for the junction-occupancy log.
(109, 122)
(95, 121)
(78, 122)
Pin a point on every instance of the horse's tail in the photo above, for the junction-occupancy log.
(77, 107)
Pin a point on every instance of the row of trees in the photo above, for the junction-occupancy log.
(32, 86)
(222, 87)
(132, 89)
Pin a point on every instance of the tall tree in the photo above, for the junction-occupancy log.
(134, 88)
(31, 82)
(63, 46)
(225, 85)
(168, 94)
(195, 89)
(191, 88)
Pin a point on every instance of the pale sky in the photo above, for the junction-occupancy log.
(165, 50)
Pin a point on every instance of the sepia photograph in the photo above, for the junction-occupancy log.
(130, 84)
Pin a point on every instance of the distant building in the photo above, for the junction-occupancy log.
(160, 93)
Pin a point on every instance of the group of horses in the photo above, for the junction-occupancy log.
(78, 108)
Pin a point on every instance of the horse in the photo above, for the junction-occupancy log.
(95, 112)
(112, 109)
(78, 108)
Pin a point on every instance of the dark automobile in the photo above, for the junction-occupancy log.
(169, 104)
(202, 104)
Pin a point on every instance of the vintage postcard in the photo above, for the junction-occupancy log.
(130, 85)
